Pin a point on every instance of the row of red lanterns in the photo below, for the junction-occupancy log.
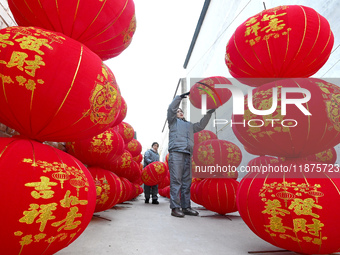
(279, 43)
(293, 206)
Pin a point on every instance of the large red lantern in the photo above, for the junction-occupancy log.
(166, 181)
(222, 156)
(283, 42)
(133, 173)
(262, 161)
(165, 192)
(215, 97)
(293, 134)
(203, 135)
(328, 156)
(138, 158)
(122, 113)
(294, 206)
(54, 88)
(134, 147)
(126, 131)
(106, 27)
(219, 195)
(48, 197)
(121, 165)
(194, 193)
(128, 190)
(99, 150)
(154, 173)
(108, 188)
(136, 190)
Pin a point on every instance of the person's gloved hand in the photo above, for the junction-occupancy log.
(211, 111)
(185, 95)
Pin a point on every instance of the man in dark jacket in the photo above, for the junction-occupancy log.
(181, 143)
(149, 157)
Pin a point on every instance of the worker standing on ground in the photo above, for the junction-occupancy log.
(150, 156)
(181, 143)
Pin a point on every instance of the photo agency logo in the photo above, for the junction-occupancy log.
(251, 109)
(280, 97)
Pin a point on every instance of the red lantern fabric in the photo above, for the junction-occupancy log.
(328, 156)
(133, 174)
(195, 194)
(154, 173)
(138, 158)
(54, 88)
(106, 27)
(222, 156)
(293, 207)
(165, 192)
(262, 161)
(127, 192)
(215, 96)
(108, 188)
(283, 42)
(294, 134)
(99, 150)
(48, 197)
(126, 131)
(121, 164)
(166, 181)
(203, 135)
(219, 195)
(134, 147)
(136, 190)
(122, 113)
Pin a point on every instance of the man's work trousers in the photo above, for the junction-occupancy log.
(180, 179)
(151, 190)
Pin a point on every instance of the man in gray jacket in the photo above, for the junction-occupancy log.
(181, 143)
(149, 157)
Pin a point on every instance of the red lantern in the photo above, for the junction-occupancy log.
(127, 192)
(154, 173)
(121, 164)
(219, 195)
(136, 190)
(133, 174)
(48, 197)
(282, 42)
(223, 156)
(165, 192)
(328, 156)
(262, 161)
(108, 188)
(106, 27)
(294, 134)
(122, 113)
(166, 181)
(126, 131)
(99, 150)
(293, 207)
(215, 96)
(138, 158)
(203, 135)
(194, 191)
(47, 98)
(134, 147)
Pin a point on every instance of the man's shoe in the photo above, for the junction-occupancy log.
(189, 211)
(177, 212)
(146, 201)
(155, 202)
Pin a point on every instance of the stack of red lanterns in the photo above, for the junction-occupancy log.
(292, 203)
(214, 168)
(57, 88)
